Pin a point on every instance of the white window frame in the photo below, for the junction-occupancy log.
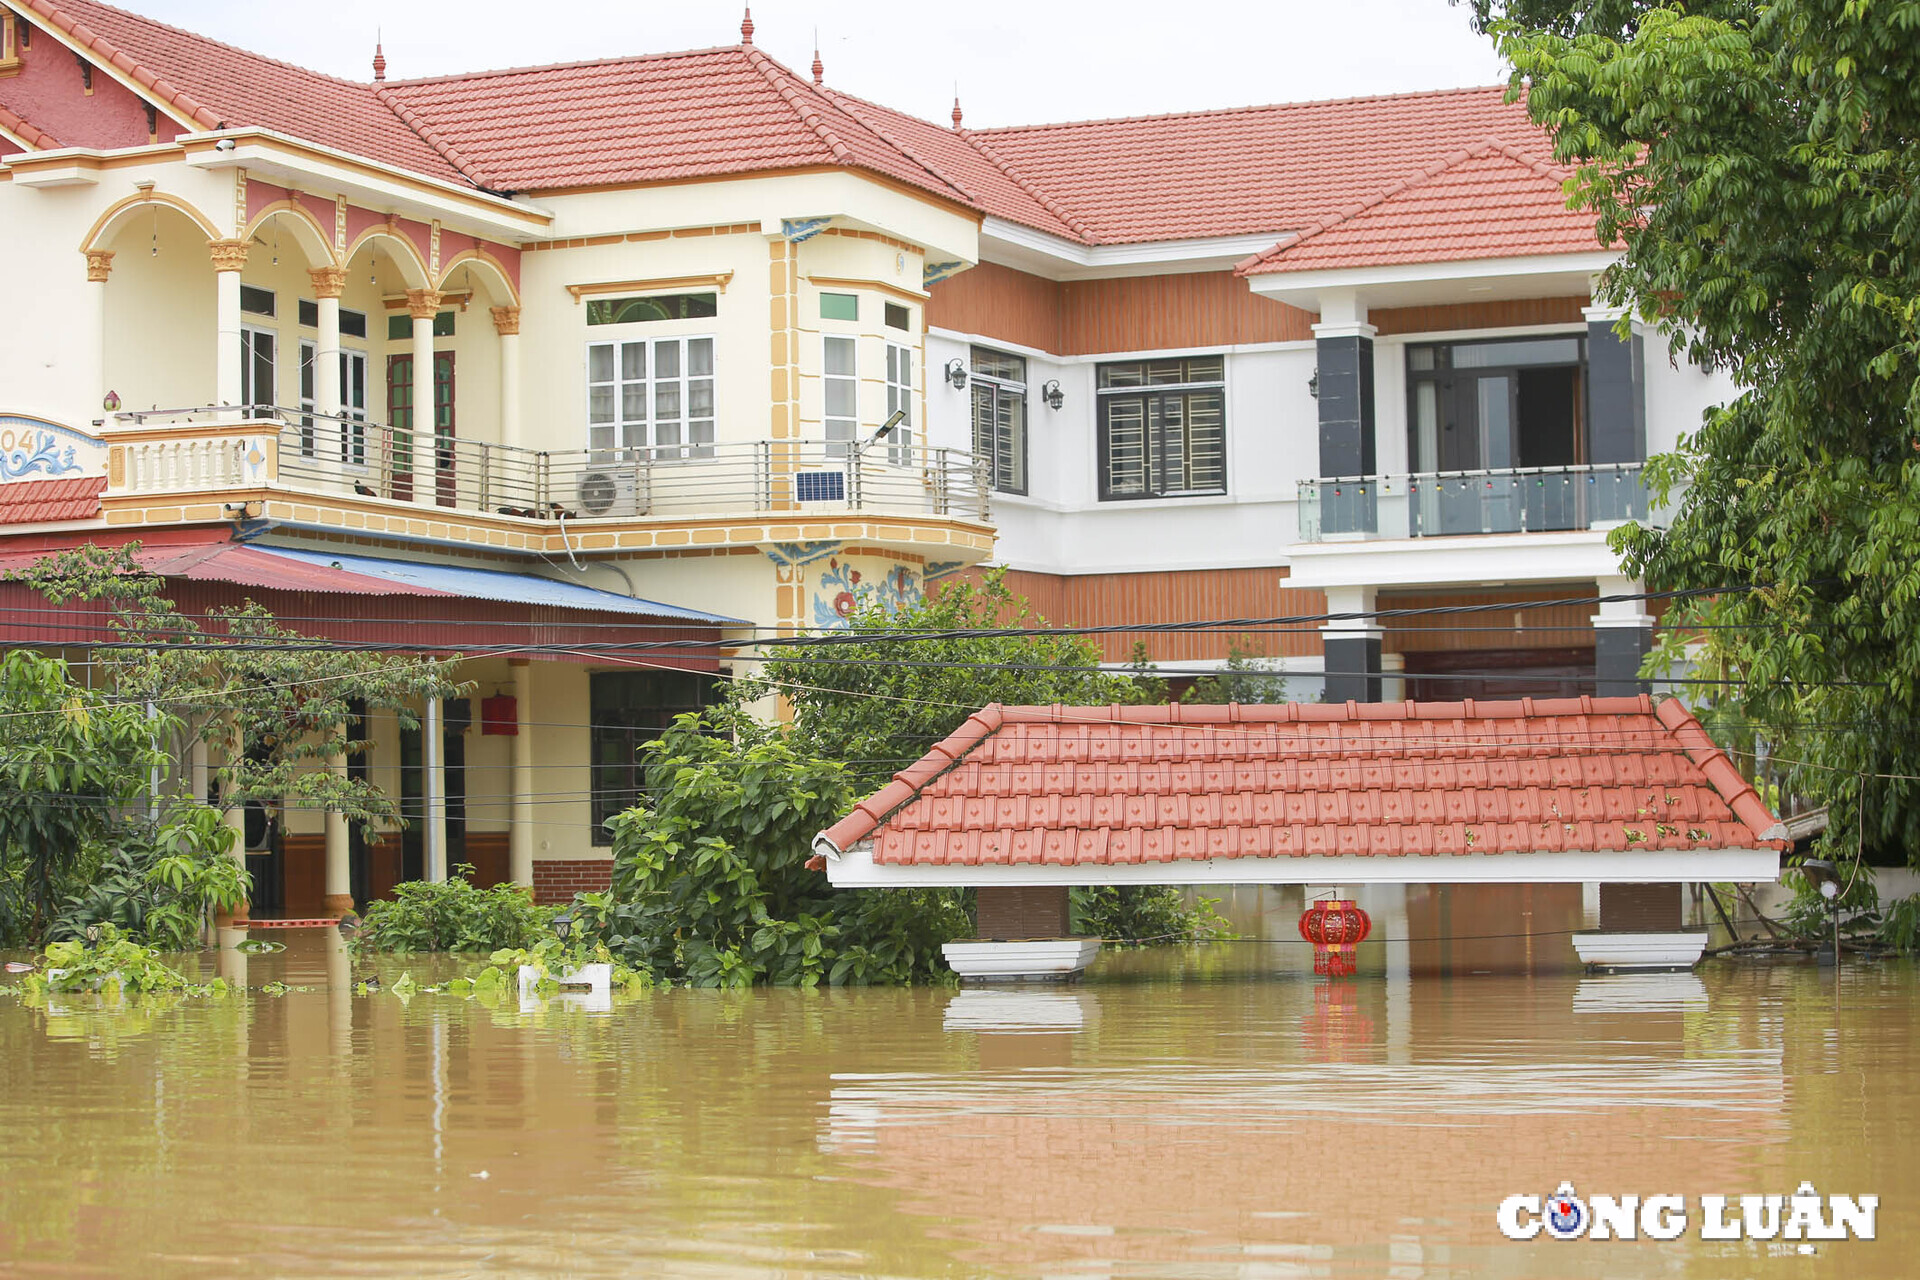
(353, 449)
(250, 335)
(628, 432)
(842, 430)
(1002, 389)
(900, 396)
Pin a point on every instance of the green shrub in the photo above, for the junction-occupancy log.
(160, 882)
(1900, 925)
(1142, 913)
(453, 916)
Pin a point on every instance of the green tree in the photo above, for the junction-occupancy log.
(1616, 18)
(710, 882)
(1761, 165)
(71, 758)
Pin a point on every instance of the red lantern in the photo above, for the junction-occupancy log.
(500, 715)
(1334, 928)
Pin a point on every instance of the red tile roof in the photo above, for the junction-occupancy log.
(35, 501)
(1247, 171)
(650, 119)
(1488, 201)
(1270, 170)
(1101, 785)
(216, 85)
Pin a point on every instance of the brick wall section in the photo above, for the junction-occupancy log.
(1031, 912)
(557, 880)
(1640, 908)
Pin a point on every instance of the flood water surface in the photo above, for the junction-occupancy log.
(1214, 1112)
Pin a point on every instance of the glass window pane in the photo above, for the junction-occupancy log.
(839, 306)
(700, 398)
(898, 317)
(988, 363)
(700, 356)
(1206, 369)
(600, 363)
(1419, 359)
(666, 359)
(1123, 375)
(1126, 436)
(633, 402)
(840, 397)
(666, 401)
(600, 404)
(633, 360)
(1493, 355)
(839, 356)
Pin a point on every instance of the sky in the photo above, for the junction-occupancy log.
(1013, 61)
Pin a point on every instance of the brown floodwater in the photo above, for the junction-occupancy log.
(1188, 1112)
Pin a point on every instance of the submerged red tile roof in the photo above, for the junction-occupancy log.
(37, 501)
(1488, 201)
(1103, 785)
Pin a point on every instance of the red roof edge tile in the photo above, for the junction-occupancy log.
(1045, 201)
(1266, 257)
(811, 118)
(25, 130)
(427, 134)
(944, 755)
(852, 105)
(50, 13)
(1721, 772)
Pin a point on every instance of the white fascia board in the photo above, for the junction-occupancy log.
(267, 153)
(1302, 288)
(1073, 260)
(1470, 559)
(856, 869)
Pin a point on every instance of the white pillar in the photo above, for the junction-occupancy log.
(339, 884)
(91, 384)
(520, 839)
(506, 323)
(433, 758)
(328, 283)
(423, 305)
(229, 257)
(233, 816)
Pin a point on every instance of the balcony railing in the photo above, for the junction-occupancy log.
(1436, 504)
(318, 454)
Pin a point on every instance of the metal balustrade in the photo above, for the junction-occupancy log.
(1452, 503)
(324, 454)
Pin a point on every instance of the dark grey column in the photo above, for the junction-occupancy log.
(1616, 396)
(1617, 653)
(1353, 668)
(1346, 405)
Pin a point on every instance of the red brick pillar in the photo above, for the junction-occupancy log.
(1007, 914)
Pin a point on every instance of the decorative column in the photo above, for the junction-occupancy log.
(1352, 647)
(520, 775)
(433, 750)
(1343, 348)
(229, 259)
(233, 816)
(423, 305)
(92, 382)
(1622, 638)
(339, 882)
(1616, 391)
(506, 323)
(328, 284)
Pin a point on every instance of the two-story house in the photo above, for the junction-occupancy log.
(592, 372)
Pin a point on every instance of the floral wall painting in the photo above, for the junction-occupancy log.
(845, 585)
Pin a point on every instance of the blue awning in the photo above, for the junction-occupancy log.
(420, 577)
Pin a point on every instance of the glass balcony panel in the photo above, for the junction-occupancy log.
(1469, 503)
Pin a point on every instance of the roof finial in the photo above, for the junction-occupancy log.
(956, 106)
(746, 27)
(819, 67)
(379, 57)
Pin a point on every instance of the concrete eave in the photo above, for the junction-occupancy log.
(1431, 283)
(1038, 253)
(1485, 559)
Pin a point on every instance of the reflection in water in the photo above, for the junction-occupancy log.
(1189, 1113)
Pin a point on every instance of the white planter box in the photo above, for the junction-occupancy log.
(1040, 959)
(1680, 950)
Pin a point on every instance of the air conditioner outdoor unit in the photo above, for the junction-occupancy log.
(824, 485)
(608, 493)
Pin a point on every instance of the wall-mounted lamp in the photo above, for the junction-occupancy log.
(111, 402)
(957, 374)
(1313, 383)
(1052, 394)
